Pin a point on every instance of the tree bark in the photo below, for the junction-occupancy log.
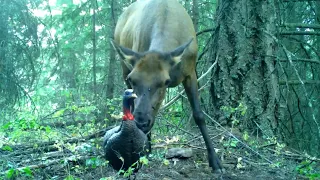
(245, 72)
(195, 14)
(94, 59)
(110, 60)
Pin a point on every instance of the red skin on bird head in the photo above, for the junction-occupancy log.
(127, 115)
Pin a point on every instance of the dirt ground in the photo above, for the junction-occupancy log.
(189, 169)
(240, 163)
(194, 168)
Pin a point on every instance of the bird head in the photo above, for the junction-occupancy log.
(128, 104)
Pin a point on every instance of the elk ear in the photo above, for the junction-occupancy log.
(177, 54)
(128, 56)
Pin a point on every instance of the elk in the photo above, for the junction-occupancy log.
(156, 42)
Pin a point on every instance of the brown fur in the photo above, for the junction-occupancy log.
(159, 49)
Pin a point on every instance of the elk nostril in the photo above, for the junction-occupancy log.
(153, 108)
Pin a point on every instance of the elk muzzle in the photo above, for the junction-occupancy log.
(143, 121)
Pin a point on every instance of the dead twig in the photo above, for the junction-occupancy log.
(233, 136)
(295, 155)
(51, 162)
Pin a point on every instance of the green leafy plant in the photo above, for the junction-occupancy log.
(231, 143)
(308, 169)
(11, 173)
(7, 148)
(95, 162)
(142, 161)
(70, 177)
(25, 172)
(234, 113)
(165, 162)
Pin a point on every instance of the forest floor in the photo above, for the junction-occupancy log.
(82, 158)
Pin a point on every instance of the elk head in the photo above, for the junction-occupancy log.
(149, 77)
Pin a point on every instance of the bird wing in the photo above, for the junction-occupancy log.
(109, 133)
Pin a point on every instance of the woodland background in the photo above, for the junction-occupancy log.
(61, 82)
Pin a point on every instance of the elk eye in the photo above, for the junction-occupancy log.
(168, 81)
(131, 81)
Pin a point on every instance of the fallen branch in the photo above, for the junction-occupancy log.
(205, 30)
(294, 155)
(289, 1)
(51, 162)
(30, 150)
(301, 60)
(300, 33)
(44, 157)
(168, 122)
(165, 146)
(298, 82)
(241, 142)
(302, 25)
(70, 140)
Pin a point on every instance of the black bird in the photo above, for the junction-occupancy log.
(125, 144)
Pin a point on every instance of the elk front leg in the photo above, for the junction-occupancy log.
(191, 87)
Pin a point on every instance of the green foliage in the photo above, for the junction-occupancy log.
(76, 109)
(25, 172)
(142, 161)
(231, 143)
(309, 169)
(245, 136)
(157, 154)
(128, 172)
(70, 177)
(46, 77)
(235, 113)
(165, 162)
(175, 113)
(113, 105)
(107, 178)
(11, 173)
(19, 127)
(95, 162)
(7, 148)
(19, 50)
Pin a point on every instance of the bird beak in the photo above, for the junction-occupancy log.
(133, 95)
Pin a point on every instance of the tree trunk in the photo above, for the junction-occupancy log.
(111, 74)
(111, 59)
(245, 73)
(195, 14)
(94, 59)
(8, 84)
